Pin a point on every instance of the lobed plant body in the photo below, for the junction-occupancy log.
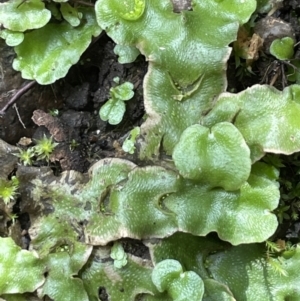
(57, 44)
(214, 181)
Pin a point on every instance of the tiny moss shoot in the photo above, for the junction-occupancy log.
(44, 147)
(8, 189)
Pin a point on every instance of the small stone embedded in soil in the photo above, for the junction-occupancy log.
(79, 97)
(76, 119)
(270, 29)
(24, 141)
(180, 5)
(103, 296)
(53, 124)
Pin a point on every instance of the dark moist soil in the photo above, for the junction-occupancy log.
(82, 136)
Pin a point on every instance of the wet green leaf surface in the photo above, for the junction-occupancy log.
(20, 270)
(19, 15)
(266, 117)
(57, 49)
(218, 156)
(182, 78)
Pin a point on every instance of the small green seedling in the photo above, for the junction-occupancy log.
(118, 255)
(129, 144)
(113, 110)
(44, 147)
(8, 189)
(42, 150)
(54, 112)
(282, 49)
(13, 217)
(73, 145)
(282, 214)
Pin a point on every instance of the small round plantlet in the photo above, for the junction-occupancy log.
(116, 80)
(129, 144)
(118, 255)
(282, 49)
(123, 92)
(44, 147)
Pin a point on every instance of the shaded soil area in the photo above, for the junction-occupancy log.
(69, 109)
